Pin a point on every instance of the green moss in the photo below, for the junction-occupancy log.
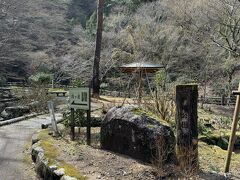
(51, 152)
(205, 115)
(188, 84)
(151, 126)
(192, 86)
(222, 132)
(140, 112)
(137, 111)
(213, 156)
(70, 170)
(43, 135)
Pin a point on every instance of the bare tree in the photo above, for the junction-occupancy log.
(225, 17)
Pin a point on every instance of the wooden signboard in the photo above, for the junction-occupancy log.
(79, 98)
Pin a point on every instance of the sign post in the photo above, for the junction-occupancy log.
(233, 130)
(72, 124)
(53, 119)
(187, 129)
(79, 98)
(89, 122)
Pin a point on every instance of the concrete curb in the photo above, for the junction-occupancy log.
(41, 164)
(18, 119)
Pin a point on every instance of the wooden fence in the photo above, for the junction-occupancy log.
(218, 100)
(117, 93)
(207, 100)
(19, 84)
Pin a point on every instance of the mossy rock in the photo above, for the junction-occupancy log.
(220, 141)
(138, 136)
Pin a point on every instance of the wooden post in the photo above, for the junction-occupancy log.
(53, 84)
(89, 127)
(53, 119)
(72, 125)
(187, 130)
(223, 100)
(89, 122)
(233, 131)
(202, 101)
(140, 87)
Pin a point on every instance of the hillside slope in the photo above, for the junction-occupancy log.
(35, 31)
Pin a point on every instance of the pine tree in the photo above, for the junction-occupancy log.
(96, 79)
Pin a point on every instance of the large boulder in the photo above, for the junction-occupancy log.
(2, 106)
(138, 136)
(5, 94)
(13, 112)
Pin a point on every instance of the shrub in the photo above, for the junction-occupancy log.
(162, 105)
(161, 101)
(79, 118)
(2, 80)
(41, 78)
(36, 97)
(220, 89)
(78, 83)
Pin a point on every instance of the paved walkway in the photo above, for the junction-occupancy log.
(13, 139)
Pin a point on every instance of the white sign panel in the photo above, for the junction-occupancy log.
(79, 98)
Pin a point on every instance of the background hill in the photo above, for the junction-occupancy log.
(57, 37)
(36, 33)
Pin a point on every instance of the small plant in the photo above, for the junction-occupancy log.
(160, 156)
(214, 168)
(162, 105)
(202, 129)
(78, 83)
(188, 161)
(161, 101)
(225, 122)
(161, 161)
(220, 89)
(36, 97)
(79, 118)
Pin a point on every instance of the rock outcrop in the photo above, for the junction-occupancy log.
(13, 112)
(138, 136)
(2, 106)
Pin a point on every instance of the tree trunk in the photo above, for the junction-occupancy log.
(205, 88)
(96, 78)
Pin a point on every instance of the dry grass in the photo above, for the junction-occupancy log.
(212, 158)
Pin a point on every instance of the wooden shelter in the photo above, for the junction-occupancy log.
(138, 67)
(141, 68)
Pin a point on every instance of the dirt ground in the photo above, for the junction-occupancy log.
(95, 163)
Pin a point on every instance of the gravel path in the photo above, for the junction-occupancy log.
(13, 139)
